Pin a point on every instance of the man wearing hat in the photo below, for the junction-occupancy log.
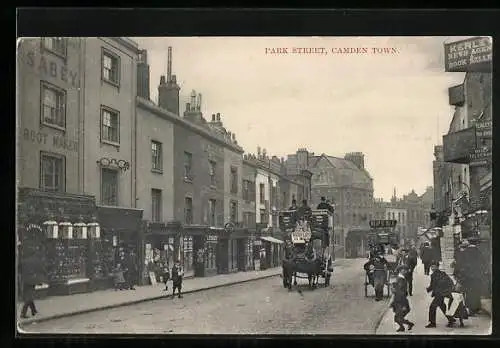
(323, 204)
(376, 270)
(400, 304)
(467, 271)
(426, 256)
(404, 259)
(441, 286)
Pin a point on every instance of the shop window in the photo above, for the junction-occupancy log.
(187, 261)
(156, 205)
(110, 125)
(56, 45)
(188, 162)
(53, 105)
(234, 180)
(210, 256)
(157, 155)
(110, 67)
(262, 193)
(109, 186)
(212, 216)
(52, 172)
(188, 210)
(212, 173)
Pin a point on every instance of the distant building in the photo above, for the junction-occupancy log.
(349, 186)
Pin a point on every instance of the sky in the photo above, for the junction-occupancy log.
(392, 106)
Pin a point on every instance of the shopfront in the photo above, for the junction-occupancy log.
(62, 231)
(159, 249)
(198, 250)
(122, 234)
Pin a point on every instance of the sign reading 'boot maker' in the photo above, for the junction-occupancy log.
(58, 142)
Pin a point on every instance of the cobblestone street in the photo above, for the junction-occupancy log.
(259, 307)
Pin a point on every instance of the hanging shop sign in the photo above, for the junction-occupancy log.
(480, 157)
(114, 163)
(484, 129)
(212, 239)
(473, 55)
(229, 227)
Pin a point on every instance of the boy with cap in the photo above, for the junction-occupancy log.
(400, 304)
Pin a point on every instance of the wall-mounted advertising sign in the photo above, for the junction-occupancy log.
(480, 157)
(484, 129)
(474, 55)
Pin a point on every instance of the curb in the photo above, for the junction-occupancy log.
(129, 303)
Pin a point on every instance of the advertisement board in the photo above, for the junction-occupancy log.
(474, 55)
(480, 157)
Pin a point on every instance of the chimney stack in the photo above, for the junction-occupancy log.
(213, 117)
(143, 75)
(198, 104)
(218, 117)
(169, 65)
(168, 91)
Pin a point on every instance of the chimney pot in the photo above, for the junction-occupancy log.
(234, 136)
(174, 79)
(218, 116)
(188, 107)
(213, 117)
(162, 79)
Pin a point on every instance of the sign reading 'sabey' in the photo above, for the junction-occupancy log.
(473, 55)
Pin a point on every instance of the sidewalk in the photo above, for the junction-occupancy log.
(419, 304)
(63, 306)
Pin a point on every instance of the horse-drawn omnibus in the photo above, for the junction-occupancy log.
(309, 246)
(382, 240)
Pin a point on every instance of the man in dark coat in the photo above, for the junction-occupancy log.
(177, 276)
(304, 212)
(294, 205)
(131, 273)
(323, 204)
(376, 270)
(400, 304)
(426, 257)
(441, 286)
(404, 259)
(468, 270)
(31, 273)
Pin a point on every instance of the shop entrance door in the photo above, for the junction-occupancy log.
(241, 254)
(222, 256)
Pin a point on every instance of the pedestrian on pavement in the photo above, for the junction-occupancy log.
(119, 278)
(32, 270)
(456, 304)
(165, 274)
(400, 304)
(426, 257)
(131, 273)
(404, 259)
(440, 287)
(377, 274)
(177, 275)
(294, 205)
(469, 275)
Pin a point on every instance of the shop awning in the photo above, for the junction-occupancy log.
(271, 239)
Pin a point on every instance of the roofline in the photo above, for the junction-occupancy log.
(127, 42)
(169, 116)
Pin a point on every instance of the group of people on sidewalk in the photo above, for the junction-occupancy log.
(447, 295)
(126, 271)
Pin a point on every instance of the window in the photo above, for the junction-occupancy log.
(188, 159)
(249, 219)
(274, 198)
(263, 217)
(403, 218)
(234, 211)
(156, 153)
(110, 125)
(53, 102)
(55, 45)
(52, 172)
(212, 212)
(211, 170)
(188, 210)
(110, 67)
(109, 186)
(156, 200)
(262, 193)
(234, 180)
(246, 190)
(399, 216)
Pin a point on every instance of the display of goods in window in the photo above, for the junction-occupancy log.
(66, 259)
(101, 260)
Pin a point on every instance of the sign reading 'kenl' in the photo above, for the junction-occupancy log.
(474, 55)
